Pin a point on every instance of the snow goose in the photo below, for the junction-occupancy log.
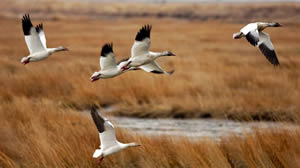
(256, 37)
(36, 42)
(109, 143)
(108, 65)
(141, 56)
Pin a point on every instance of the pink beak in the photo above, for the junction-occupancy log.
(124, 68)
(26, 61)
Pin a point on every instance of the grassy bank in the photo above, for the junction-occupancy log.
(40, 135)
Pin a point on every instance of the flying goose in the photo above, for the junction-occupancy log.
(36, 42)
(110, 69)
(109, 143)
(141, 57)
(108, 65)
(256, 37)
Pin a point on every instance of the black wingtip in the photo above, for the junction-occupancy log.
(93, 107)
(157, 72)
(39, 27)
(26, 24)
(171, 72)
(107, 48)
(269, 54)
(252, 39)
(98, 120)
(144, 33)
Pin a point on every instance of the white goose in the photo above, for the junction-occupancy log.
(109, 143)
(141, 57)
(108, 65)
(110, 69)
(255, 35)
(36, 42)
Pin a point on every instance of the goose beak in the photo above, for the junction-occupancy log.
(171, 54)
(124, 68)
(65, 49)
(278, 25)
(94, 78)
(26, 61)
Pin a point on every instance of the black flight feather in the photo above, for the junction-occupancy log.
(106, 49)
(143, 33)
(98, 120)
(269, 54)
(39, 27)
(26, 24)
(157, 72)
(252, 38)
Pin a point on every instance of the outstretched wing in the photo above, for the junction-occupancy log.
(253, 37)
(32, 37)
(107, 58)
(40, 30)
(266, 47)
(98, 120)
(153, 67)
(251, 33)
(105, 128)
(142, 41)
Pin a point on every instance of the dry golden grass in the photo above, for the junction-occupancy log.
(215, 75)
(39, 134)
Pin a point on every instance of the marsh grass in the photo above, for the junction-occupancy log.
(42, 135)
(41, 126)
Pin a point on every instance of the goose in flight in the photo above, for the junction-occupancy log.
(256, 37)
(36, 42)
(108, 66)
(141, 56)
(109, 143)
(110, 69)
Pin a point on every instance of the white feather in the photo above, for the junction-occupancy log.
(34, 42)
(140, 48)
(249, 27)
(108, 62)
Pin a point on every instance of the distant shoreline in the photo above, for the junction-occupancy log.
(226, 12)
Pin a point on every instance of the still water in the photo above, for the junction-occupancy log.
(212, 128)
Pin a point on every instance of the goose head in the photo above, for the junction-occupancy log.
(95, 76)
(62, 48)
(133, 144)
(275, 24)
(263, 25)
(25, 60)
(237, 35)
(169, 53)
